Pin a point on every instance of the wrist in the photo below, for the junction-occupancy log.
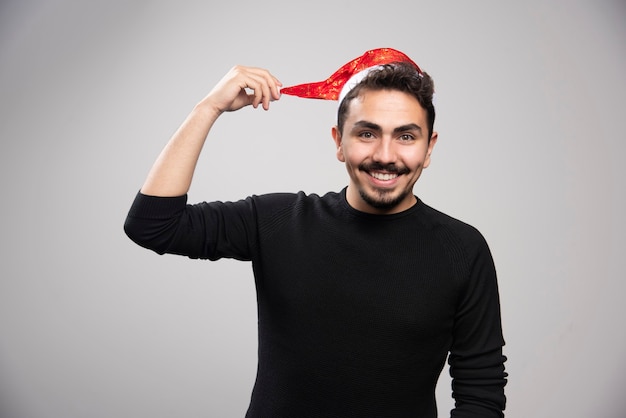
(208, 109)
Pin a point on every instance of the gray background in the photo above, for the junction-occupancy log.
(530, 115)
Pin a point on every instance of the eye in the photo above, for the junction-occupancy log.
(366, 135)
(406, 137)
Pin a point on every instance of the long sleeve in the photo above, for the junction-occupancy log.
(476, 360)
(207, 231)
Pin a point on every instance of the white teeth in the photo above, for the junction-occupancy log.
(384, 176)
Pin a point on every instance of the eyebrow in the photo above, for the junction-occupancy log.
(376, 127)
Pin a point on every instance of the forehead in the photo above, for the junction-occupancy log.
(386, 105)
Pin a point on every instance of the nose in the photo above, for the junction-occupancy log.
(384, 153)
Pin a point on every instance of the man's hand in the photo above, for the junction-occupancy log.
(243, 86)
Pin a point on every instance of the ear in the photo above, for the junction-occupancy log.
(337, 138)
(431, 145)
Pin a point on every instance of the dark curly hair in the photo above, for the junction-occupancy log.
(401, 76)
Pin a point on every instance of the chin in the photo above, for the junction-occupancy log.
(382, 200)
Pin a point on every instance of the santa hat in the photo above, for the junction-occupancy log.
(348, 76)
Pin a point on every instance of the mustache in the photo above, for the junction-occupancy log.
(389, 168)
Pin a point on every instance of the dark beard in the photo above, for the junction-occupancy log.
(383, 201)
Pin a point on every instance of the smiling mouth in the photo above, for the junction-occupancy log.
(383, 176)
(383, 172)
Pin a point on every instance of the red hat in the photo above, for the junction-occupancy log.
(348, 76)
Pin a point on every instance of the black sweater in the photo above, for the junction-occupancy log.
(357, 312)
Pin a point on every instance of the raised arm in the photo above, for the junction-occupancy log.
(173, 170)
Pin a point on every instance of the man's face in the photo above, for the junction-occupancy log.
(385, 146)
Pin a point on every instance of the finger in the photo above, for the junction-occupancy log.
(264, 89)
(256, 85)
(276, 85)
(266, 96)
(272, 82)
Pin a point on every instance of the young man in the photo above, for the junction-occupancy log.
(361, 293)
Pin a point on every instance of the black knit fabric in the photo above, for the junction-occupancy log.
(357, 312)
